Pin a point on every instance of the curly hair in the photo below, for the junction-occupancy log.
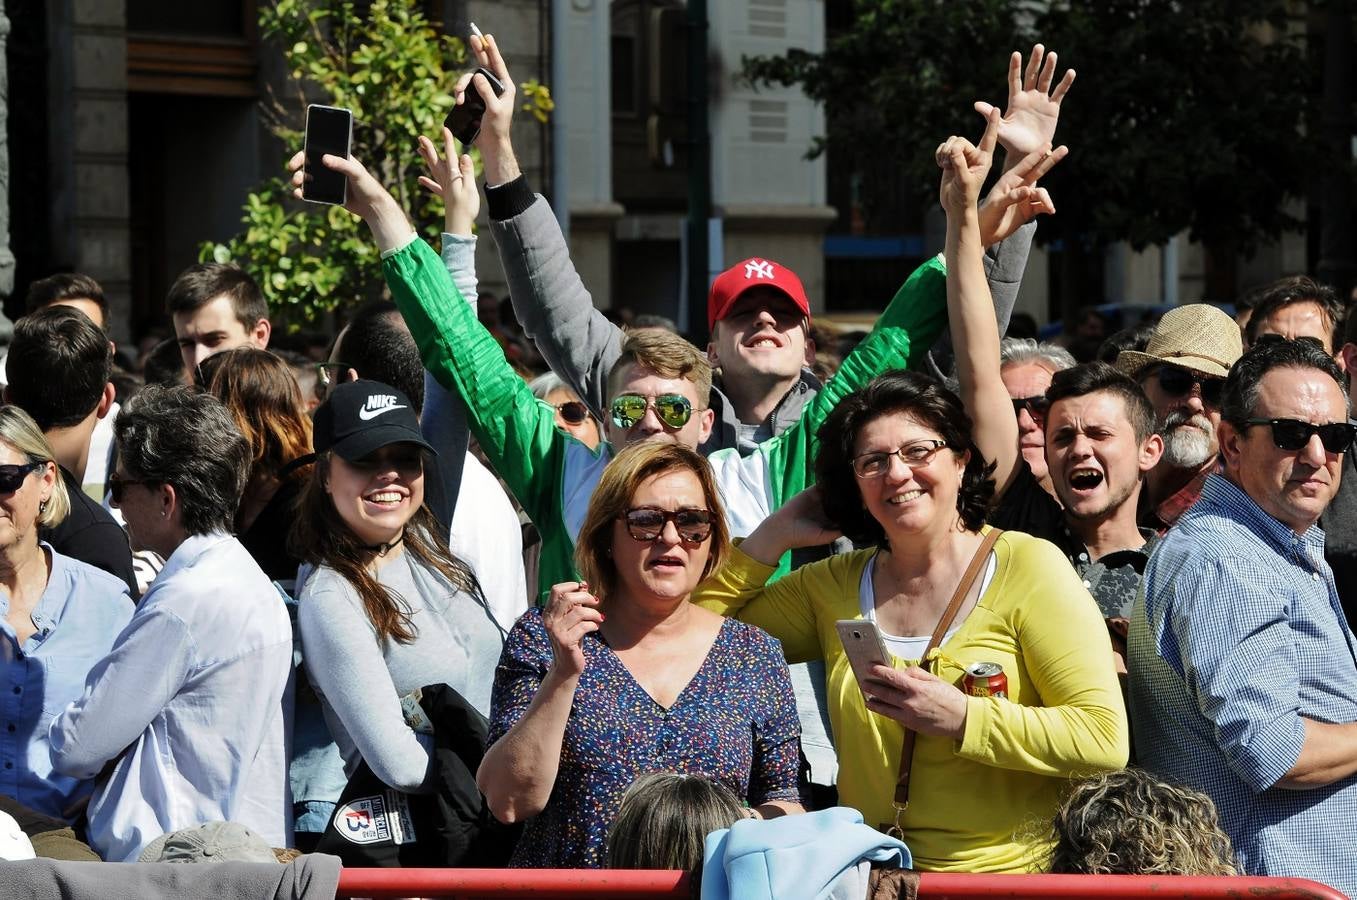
(921, 397)
(1131, 823)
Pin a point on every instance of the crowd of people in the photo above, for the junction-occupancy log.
(231, 593)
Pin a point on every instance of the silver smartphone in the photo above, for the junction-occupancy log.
(863, 645)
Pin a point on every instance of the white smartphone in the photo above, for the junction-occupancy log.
(863, 645)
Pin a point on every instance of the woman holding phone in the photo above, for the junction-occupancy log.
(621, 676)
(900, 474)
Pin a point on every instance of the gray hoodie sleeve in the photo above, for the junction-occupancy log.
(550, 301)
(1005, 263)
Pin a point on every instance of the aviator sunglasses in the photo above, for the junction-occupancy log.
(1292, 434)
(646, 523)
(1176, 381)
(12, 477)
(674, 410)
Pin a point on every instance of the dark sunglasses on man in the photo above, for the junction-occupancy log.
(1175, 381)
(646, 523)
(1036, 407)
(1292, 435)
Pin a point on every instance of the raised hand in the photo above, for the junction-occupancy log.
(497, 152)
(366, 198)
(1029, 121)
(453, 178)
(1015, 198)
(964, 167)
(802, 520)
(571, 613)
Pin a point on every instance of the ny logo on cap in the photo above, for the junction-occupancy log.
(377, 404)
(758, 268)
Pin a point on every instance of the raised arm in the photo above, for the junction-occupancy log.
(969, 307)
(516, 431)
(549, 298)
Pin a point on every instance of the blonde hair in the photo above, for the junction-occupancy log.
(612, 497)
(668, 356)
(1131, 823)
(664, 821)
(19, 430)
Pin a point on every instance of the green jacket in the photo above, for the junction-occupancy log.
(553, 475)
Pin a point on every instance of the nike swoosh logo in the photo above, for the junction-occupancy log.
(369, 414)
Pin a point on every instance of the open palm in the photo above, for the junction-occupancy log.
(1029, 122)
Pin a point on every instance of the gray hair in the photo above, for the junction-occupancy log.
(1015, 351)
(18, 429)
(178, 436)
(547, 383)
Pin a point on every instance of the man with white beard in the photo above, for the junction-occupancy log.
(1182, 371)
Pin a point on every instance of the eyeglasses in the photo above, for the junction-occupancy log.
(1292, 434)
(646, 524)
(1035, 406)
(674, 410)
(1176, 381)
(12, 477)
(573, 412)
(117, 486)
(915, 455)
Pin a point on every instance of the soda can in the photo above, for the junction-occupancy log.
(985, 679)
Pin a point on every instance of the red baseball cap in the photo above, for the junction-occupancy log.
(752, 273)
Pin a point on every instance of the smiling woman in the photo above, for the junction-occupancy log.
(900, 474)
(620, 675)
(389, 609)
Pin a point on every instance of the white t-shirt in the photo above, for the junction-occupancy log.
(912, 646)
(487, 535)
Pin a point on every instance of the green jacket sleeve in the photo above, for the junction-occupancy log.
(517, 432)
(910, 325)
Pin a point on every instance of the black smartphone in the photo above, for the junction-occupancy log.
(329, 129)
(465, 119)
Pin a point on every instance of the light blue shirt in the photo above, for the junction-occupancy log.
(79, 614)
(1238, 635)
(192, 706)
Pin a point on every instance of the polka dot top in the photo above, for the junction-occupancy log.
(735, 722)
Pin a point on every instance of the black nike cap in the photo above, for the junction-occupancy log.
(361, 417)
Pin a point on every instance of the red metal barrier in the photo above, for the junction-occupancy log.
(562, 884)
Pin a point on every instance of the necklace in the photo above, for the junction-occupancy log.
(384, 549)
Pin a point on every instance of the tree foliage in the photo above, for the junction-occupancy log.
(395, 72)
(1185, 116)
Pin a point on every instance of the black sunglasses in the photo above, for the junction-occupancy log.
(12, 477)
(1176, 381)
(1036, 406)
(1292, 434)
(117, 486)
(646, 523)
(573, 412)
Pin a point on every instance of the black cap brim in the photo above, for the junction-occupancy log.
(370, 440)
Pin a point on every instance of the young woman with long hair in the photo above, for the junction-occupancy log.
(388, 609)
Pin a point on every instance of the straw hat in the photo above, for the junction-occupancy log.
(1197, 337)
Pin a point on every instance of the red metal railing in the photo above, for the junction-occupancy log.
(559, 884)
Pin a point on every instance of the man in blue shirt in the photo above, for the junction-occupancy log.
(1243, 670)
